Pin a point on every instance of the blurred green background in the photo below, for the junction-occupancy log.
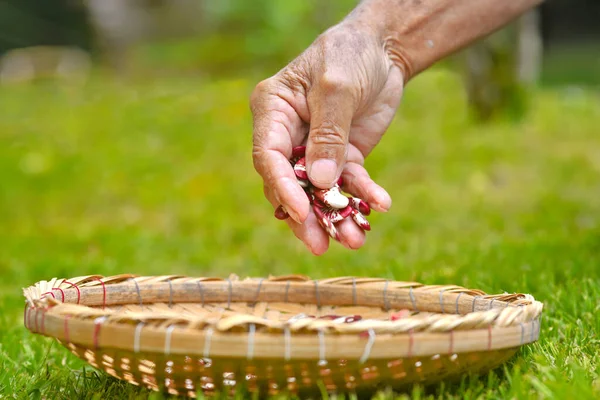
(138, 160)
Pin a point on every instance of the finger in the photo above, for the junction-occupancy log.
(351, 235)
(279, 175)
(358, 183)
(332, 106)
(276, 129)
(310, 232)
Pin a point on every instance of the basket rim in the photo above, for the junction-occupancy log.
(452, 319)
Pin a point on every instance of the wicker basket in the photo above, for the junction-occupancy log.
(271, 335)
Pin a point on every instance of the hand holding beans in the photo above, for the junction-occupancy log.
(338, 98)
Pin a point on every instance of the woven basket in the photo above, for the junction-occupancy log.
(271, 335)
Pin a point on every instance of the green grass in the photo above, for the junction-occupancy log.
(157, 178)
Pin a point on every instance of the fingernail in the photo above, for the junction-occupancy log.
(384, 200)
(308, 247)
(323, 171)
(379, 208)
(295, 216)
(346, 244)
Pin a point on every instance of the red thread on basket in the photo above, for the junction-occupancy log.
(400, 315)
(53, 296)
(61, 292)
(76, 288)
(103, 292)
(96, 333)
(66, 328)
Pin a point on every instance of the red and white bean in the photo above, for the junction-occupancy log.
(330, 206)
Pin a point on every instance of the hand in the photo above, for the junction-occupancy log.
(338, 98)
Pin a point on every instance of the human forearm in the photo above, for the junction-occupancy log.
(418, 33)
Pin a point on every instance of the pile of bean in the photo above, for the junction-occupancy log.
(331, 206)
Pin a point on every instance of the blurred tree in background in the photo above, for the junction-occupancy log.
(142, 38)
(25, 23)
(499, 69)
(213, 37)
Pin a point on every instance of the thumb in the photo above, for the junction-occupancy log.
(332, 108)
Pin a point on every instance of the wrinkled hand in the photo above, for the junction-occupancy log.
(338, 98)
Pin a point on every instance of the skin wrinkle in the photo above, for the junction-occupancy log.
(451, 25)
(263, 142)
(266, 173)
(297, 89)
(365, 110)
(328, 133)
(399, 58)
(325, 134)
(268, 116)
(281, 117)
(374, 85)
(328, 138)
(381, 115)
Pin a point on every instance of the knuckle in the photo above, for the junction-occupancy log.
(260, 91)
(331, 82)
(258, 158)
(267, 192)
(261, 165)
(329, 134)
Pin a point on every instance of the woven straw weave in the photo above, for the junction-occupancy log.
(291, 334)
